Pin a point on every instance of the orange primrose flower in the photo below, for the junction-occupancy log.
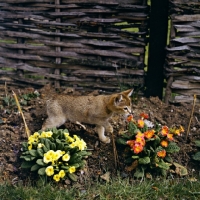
(181, 129)
(165, 130)
(137, 148)
(177, 132)
(164, 143)
(140, 141)
(139, 134)
(140, 123)
(129, 118)
(170, 136)
(130, 143)
(144, 116)
(149, 134)
(161, 154)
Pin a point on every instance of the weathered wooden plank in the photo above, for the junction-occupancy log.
(186, 40)
(19, 34)
(105, 73)
(186, 2)
(105, 53)
(184, 99)
(19, 8)
(22, 57)
(196, 33)
(187, 92)
(129, 50)
(179, 84)
(186, 18)
(29, 15)
(185, 28)
(104, 2)
(27, 1)
(96, 20)
(189, 78)
(24, 46)
(179, 48)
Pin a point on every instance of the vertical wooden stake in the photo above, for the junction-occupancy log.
(188, 129)
(20, 110)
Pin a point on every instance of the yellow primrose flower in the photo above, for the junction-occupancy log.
(61, 173)
(47, 158)
(30, 146)
(43, 135)
(66, 134)
(49, 134)
(72, 145)
(31, 139)
(70, 139)
(72, 169)
(81, 145)
(49, 171)
(66, 157)
(57, 154)
(36, 135)
(56, 177)
(76, 137)
(40, 145)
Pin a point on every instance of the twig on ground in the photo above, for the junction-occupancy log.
(20, 110)
(192, 112)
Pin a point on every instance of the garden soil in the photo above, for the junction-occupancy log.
(103, 163)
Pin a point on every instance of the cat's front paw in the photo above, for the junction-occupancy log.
(105, 140)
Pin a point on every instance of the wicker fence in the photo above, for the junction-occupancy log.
(183, 55)
(85, 44)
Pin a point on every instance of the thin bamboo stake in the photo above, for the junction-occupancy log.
(20, 110)
(116, 159)
(188, 129)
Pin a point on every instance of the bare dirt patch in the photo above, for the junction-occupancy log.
(12, 134)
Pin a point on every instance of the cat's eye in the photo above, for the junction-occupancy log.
(125, 108)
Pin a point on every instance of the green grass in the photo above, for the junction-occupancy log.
(117, 189)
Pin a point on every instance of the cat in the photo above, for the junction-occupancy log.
(87, 109)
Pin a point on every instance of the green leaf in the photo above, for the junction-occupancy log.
(172, 148)
(27, 157)
(41, 171)
(144, 161)
(40, 162)
(40, 152)
(53, 146)
(161, 164)
(121, 141)
(135, 157)
(26, 164)
(197, 142)
(47, 143)
(168, 159)
(45, 149)
(33, 152)
(196, 156)
(35, 167)
(65, 167)
(73, 177)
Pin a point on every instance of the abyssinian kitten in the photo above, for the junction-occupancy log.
(87, 109)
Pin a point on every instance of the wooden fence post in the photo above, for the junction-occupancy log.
(157, 44)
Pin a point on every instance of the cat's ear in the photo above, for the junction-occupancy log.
(128, 92)
(118, 99)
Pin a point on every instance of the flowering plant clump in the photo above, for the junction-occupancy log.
(149, 147)
(54, 153)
